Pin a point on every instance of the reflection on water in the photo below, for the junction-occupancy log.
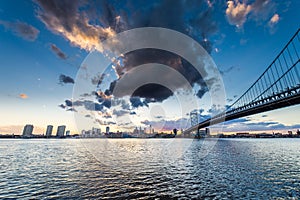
(138, 168)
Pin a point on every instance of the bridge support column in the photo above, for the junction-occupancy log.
(197, 133)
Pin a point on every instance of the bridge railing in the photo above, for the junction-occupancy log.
(282, 77)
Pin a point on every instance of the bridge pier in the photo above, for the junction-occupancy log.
(198, 136)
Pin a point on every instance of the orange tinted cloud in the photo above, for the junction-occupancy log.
(23, 96)
(274, 19)
(73, 24)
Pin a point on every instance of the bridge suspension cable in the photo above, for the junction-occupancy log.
(281, 78)
(278, 86)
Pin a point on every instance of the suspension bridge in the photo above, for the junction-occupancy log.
(277, 87)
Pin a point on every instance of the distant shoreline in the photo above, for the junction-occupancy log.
(211, 137)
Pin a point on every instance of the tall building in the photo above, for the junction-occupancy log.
(49, 130)
(27, 131)
(68, 133)
(96, 131)
(60, 131)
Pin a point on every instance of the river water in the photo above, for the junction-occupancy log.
(150, 168)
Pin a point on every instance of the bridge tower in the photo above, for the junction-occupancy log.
(194, 120)
(194, 117)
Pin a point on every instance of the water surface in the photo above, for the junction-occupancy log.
(150, 168)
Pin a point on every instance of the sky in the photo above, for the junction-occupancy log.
(47, 46)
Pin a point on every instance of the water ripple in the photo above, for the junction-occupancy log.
(145, 169)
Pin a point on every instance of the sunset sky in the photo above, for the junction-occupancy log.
(44, 43)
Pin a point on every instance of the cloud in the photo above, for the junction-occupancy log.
(97, 80)
(63, 79)
(22, 30)
(58, 52)
(86, 24)
(137, 102)
(274, 19)
(228, 70)
(64, 17)
(229, 99)
(168, 125)
(201, 92)
(154, 92)
(68, 103)
(87, 104)
(246, 124)
(23, 96)
(272, 23)
(62, 106)
(237, 12)
(119, 113)
(72, 109)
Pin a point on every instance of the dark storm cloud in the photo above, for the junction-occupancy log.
(106, 103)
(58, 52)
(201, 92)
(193, 18)
(68, 103)
(21, 29)
(85, 24)
(63, 79)
(137, 102)
(155, 91)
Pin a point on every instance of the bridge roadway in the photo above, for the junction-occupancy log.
(277, 87)
(280, 100)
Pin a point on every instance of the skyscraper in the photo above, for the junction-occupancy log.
(61, 131)
(68, 132)
(49, 130)
(27, 131)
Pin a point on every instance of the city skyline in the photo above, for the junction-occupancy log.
(43, 49)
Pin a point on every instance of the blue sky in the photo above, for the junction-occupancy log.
(41, 41)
